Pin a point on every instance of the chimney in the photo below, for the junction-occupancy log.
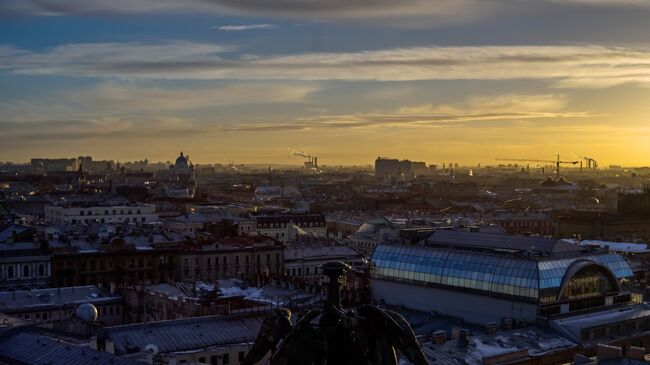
(605, 352)
(463, 337)
(636, 353)
(491, 328)
(439, 337)
(507, 324)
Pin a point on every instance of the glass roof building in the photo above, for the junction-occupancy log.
(544, 277)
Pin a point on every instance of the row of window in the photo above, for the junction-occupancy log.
(214, 359)
(298, 271)
(10, 272)
(284, 225)
(106, 212)
(110, 220)
(494, 273)
(215, 259)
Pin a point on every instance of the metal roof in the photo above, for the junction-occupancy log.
(184, 334)
(572, 326)
(25, 347)
(53, 297)
(479, 240)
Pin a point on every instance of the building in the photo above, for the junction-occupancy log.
(56, 304)
(525, 224)
(85, 214)
(602, 226)
(215, 340)
(305, 261)
(244, 257)
(24, 265)
(522, 279)
(116, 262)
(388, 167)
(285, 226)
(371, 233)
(303, 266)
(54, 164)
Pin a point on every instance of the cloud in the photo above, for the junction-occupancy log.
(236, 28)
(440, 11)
(132, 98)
(567, 66)
(404, 12)
(510, 108)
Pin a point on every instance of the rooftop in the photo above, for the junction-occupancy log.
(501, 243)
(26, 347)
(313, 252)
(571, 326)
(42, 298)
(531, 342)
(183, 334)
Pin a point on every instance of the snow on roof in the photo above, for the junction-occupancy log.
(629, 247)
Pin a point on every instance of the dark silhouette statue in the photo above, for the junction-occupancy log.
(368, 335)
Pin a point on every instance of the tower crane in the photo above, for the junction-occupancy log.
(557, 162)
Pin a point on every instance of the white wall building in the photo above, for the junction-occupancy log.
(131, 213)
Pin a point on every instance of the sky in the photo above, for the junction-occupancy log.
(250, 81)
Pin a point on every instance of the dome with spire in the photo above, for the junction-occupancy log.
(182, 162)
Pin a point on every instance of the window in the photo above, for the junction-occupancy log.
(25, 271)
(226, 359)
(202, 359)
(242, 355)
(41, 270)
(213, 360)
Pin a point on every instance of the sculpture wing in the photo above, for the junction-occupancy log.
(274, 328)
(393, 328)
(300, 346)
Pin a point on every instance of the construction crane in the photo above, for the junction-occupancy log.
(556, 162)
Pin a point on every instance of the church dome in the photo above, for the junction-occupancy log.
(181, 162)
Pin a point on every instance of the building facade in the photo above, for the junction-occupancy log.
(285, 226)
(253, 258)
(49, 305)
(131, 213)
(24, 265)
(116, 264)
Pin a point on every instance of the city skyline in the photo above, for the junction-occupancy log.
(442, 81)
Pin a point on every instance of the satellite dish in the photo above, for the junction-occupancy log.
(151, 348)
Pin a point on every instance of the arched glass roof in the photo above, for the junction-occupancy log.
(506, 275)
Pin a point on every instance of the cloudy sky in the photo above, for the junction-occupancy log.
(247, 80)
